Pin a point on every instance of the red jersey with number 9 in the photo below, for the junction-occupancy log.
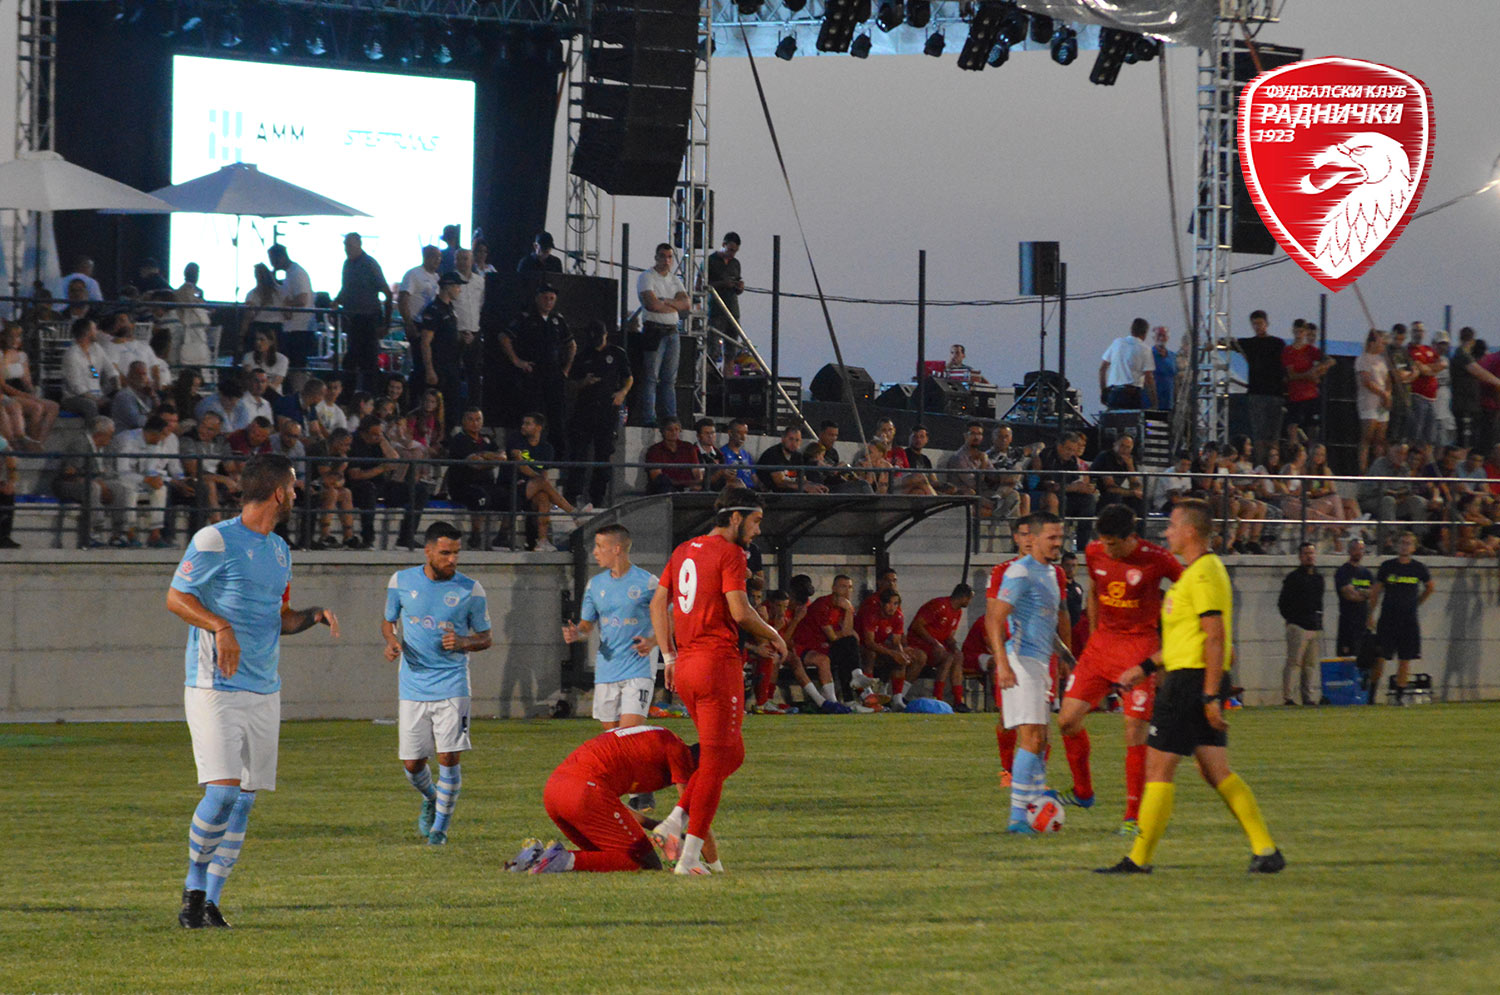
(699, 574)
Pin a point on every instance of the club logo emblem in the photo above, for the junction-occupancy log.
(1133, 576)
(451, 599)
(1336, 153)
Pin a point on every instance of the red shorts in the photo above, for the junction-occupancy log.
(590, 816)
(712, 689)
(1104, 659)
(927, 646)
(971, 663)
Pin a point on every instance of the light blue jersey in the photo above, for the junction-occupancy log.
(621, 608)
(244, 578)
(427, 609)
(1030, 588)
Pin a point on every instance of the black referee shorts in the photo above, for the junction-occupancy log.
(1178, 724)
(1399, 639)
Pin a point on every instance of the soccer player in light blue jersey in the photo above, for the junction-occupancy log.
(233, 587)
(443, 617)
(1027, 599)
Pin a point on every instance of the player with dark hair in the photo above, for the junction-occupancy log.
(697, 612)
(1124, 610)
(444, 616)
(932, 634)
(882, 636)
(1197, 621)
(233, 588)
(828, 621)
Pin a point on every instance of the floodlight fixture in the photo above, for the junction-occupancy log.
(1065, 46)
(316, 38)
(786, 48)
(918, 13)
(375, 43)
(892, 13)
(1041, 28)
(934, 45)
(999, 55)
(861, 47)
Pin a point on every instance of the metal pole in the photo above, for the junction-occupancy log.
(1062, 343)
(775, 334)
(921, 332)
(624, 273)
(1323, 349)
(1194, 352)
(1448, 318)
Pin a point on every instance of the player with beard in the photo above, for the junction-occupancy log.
(697, 612)
(1124, 609)
(233, 588)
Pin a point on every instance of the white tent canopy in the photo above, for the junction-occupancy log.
(242, 189)
(45, 181)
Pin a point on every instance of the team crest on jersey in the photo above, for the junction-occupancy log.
(186, 568)
(280, 556)
(1132, 576)
(633, 593)
(451, 599)
(428, 622)
(414, 594)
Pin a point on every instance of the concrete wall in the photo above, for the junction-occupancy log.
(87, 636)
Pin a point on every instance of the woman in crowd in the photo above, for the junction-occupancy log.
(425, 423)
(262, 308)
(35, 413)
(187, 391)
(265, 356)
(1324, 494)
(1239, 459)
(361, 406)
(395, 389)
(161, 366)
(1299, 491)
(1372, 397)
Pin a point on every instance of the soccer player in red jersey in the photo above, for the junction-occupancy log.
(697, 612)
(883, 635)
(583, 798)
(932, 633)
(776, 609)
(828, 619)
(1124, 607)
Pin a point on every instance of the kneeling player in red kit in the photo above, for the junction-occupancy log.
(583, 798)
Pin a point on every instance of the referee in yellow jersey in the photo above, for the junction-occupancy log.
(1197, 618)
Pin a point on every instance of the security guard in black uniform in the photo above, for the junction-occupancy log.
(539, 345)
(435, 353)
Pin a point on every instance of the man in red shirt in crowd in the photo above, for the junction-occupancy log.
(932, 634)
(1305, 366)
(1424, 389)
(1124, 608)
(583, 798)
(883, 634)
(671, 464)
(828, 619)
(697, 613)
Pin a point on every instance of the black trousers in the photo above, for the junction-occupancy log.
(362, 364)
(591, 436)
(395, 494)
(843, 658)
(7, 514)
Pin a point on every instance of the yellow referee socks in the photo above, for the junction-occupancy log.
(1241, 801)
(1156, 812)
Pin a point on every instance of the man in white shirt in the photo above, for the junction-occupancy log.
(253, 405)
(86, 369)
(1127, 376)
(297, 327)
(83, 270)
(146, 464)
(419, 288)
(467, 309)
(124, 348)
(664, 300)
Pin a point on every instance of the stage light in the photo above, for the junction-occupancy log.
(747, 8)
(412, 46)
(840, 20)
(1146, 49)
(861, 47)
(443, 46)
(795, 6)
(998, 55)
(1013, 27)
(375, 43)
(1041, 28)
(984, 31)
(863, 11)
(934, 45)
(786, 48)
(1065, 46)
(231, 30)
(891, 14)
(316, 39)
(279, 33)
(191, 23)
(918, 13)
(1114, 47)
(129, 12)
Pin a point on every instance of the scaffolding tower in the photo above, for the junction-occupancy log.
(582, 224)
(692, 211)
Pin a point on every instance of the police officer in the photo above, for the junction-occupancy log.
(435, 353)
(602, 374)
(540, 346)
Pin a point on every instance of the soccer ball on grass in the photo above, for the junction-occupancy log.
(1046, 815)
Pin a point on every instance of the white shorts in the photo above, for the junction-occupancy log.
(617, 698)
(1026, 703)
(235, 735)
(428, 728)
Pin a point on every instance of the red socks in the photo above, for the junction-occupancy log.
(716, 762)
(958, 693)
(1135, 779)
(1077, 746)
(765, 682)
(1006, 738)
(940, 690)
(898, 685)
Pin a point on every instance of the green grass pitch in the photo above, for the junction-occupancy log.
(864, 855)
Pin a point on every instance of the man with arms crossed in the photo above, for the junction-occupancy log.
(1197, 631)
(233, 588)
(697, 612)
(443, 616)
(1124, 608)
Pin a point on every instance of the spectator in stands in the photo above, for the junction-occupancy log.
(1304, 367)
(534, 491)
(369, 480)
(419, 286)
(1323, 494)
(472, 482)
(1177, 485)
(225, 399)
(263, 356)
(933, 633)
(715, 476)
(189, 292)
(1063, 491)
(1127, 376)
(467, 309)
(1010, 501)
(971, 459)
(786, 453)
(86, 474)
(425, 424)
(134, 401)
(664, 300)
(148, 278)
(1262, 352)
(541, 347)
(1248, 507)
(448, 256)
(1122, 486)
(187, 392)
(1447, 423)
(145, 464)
(435, 356)
(602, 375)
(160, 370)
(482, 258)
(1402, 375)
(252, 440)
(1303, 497)
(398, 433)
(724, 278)
(365, 300)
(331, 416)
(333, 494)
(204, 485)
(38, 413)
(828, 456)
(299, 328)
(362, 405)
(671, 464)
(1165, 371)
(735, 456)
(253, 404)
(540, 259)
(1372, 396)
(395, 391)
(876, 467)
(1425, 362)
(829, 620)
(302, 408)
(262, 308)
(1390, 500)
(921, 480)
(83, 272)
(1301, 607)
(123, 347)
(288, 442)
(1466, 376)
(1405, 583)
(87, 371)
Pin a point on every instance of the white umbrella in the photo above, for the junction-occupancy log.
(242, 189)
(45, 181)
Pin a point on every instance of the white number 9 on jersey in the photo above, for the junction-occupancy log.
(687, 586)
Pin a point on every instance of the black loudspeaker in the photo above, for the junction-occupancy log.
(639, 96)
(944, 397)
(829, 386)
(1250, 234)
(748, 398)
(1040, 272)
(897, 396)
